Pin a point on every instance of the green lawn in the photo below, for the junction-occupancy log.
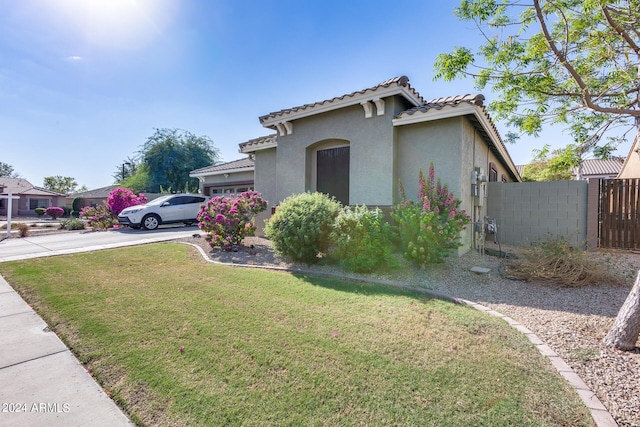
(271, 348)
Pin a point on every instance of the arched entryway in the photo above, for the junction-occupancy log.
(330, 169)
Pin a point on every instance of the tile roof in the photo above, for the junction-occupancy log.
(96, 193)
(400, 82)
(257, 143)
(601, 166)
(22, 186)
(245, 163)
(450, 101)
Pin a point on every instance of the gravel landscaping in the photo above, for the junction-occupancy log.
(571, 320)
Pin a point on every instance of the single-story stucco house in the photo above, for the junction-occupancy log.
(94, 197)
(30, 197)
(359, 146)
(226, 178)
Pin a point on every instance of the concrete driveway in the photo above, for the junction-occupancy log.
(84, 241)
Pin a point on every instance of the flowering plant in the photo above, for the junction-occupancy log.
(228, 219)
(54, 212)
(121, 198)
(429, 227)
(98, 217)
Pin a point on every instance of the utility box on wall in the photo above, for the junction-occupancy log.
(478, 186)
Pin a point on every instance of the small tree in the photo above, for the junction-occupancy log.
(228, 220)
(61, 184)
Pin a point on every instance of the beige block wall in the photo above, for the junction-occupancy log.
(529, 212)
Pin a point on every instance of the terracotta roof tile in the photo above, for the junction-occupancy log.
(245, 163)
(22, 186)
(449, 101)
(402, 81)
(256, 143)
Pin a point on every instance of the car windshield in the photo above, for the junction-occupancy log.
(159, 200)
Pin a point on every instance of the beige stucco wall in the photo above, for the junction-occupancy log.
(455, 148)
(632, 167)
(265, 183)
(371, 166)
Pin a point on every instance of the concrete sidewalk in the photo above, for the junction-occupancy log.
(41, 381)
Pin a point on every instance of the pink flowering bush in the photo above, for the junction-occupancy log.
(99, 217)
(121, 198)
(429, 227)
(228, 219)
(54, 212)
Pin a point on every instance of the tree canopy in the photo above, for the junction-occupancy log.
(6, 171)
(170, 154)
(551, 165)
(572, 62)
(62, 184)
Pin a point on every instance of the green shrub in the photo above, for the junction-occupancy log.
(54, 212)
(40, 211)
(72, 224)
(79, 203)
(429, 227)
(362, 240)
(301, 226)
(66, 211)
(99, 217)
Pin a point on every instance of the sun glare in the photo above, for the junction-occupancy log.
(120, 24)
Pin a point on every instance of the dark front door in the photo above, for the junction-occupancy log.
(333, 173)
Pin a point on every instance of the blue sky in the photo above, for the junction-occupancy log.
(83, 83)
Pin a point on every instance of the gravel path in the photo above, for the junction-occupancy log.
(572, 321)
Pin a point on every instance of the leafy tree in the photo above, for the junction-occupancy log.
(170, 154)
(61, 184)
(139, 181)
(556, 165)
(572, 62)
(6, 171)
(127, 168)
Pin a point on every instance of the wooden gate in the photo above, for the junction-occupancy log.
(620, 213)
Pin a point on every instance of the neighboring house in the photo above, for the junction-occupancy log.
(598, 168)
(357, 147)
(227, 178)
(31, 197)
(591, 168)
(631, 166)
(93, 197)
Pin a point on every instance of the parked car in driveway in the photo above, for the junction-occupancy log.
(170, 209)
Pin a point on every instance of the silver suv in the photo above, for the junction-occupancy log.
(168, 209)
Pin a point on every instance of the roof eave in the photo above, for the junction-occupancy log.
(250, 149)
(222, 172)
(270, 120)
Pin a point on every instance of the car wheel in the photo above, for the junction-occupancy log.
(151, 222)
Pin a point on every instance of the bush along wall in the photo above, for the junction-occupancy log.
(429, 227)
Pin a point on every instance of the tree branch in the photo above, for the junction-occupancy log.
(619, 30)
(586, 95)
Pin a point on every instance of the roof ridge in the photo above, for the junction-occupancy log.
(402, 81)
